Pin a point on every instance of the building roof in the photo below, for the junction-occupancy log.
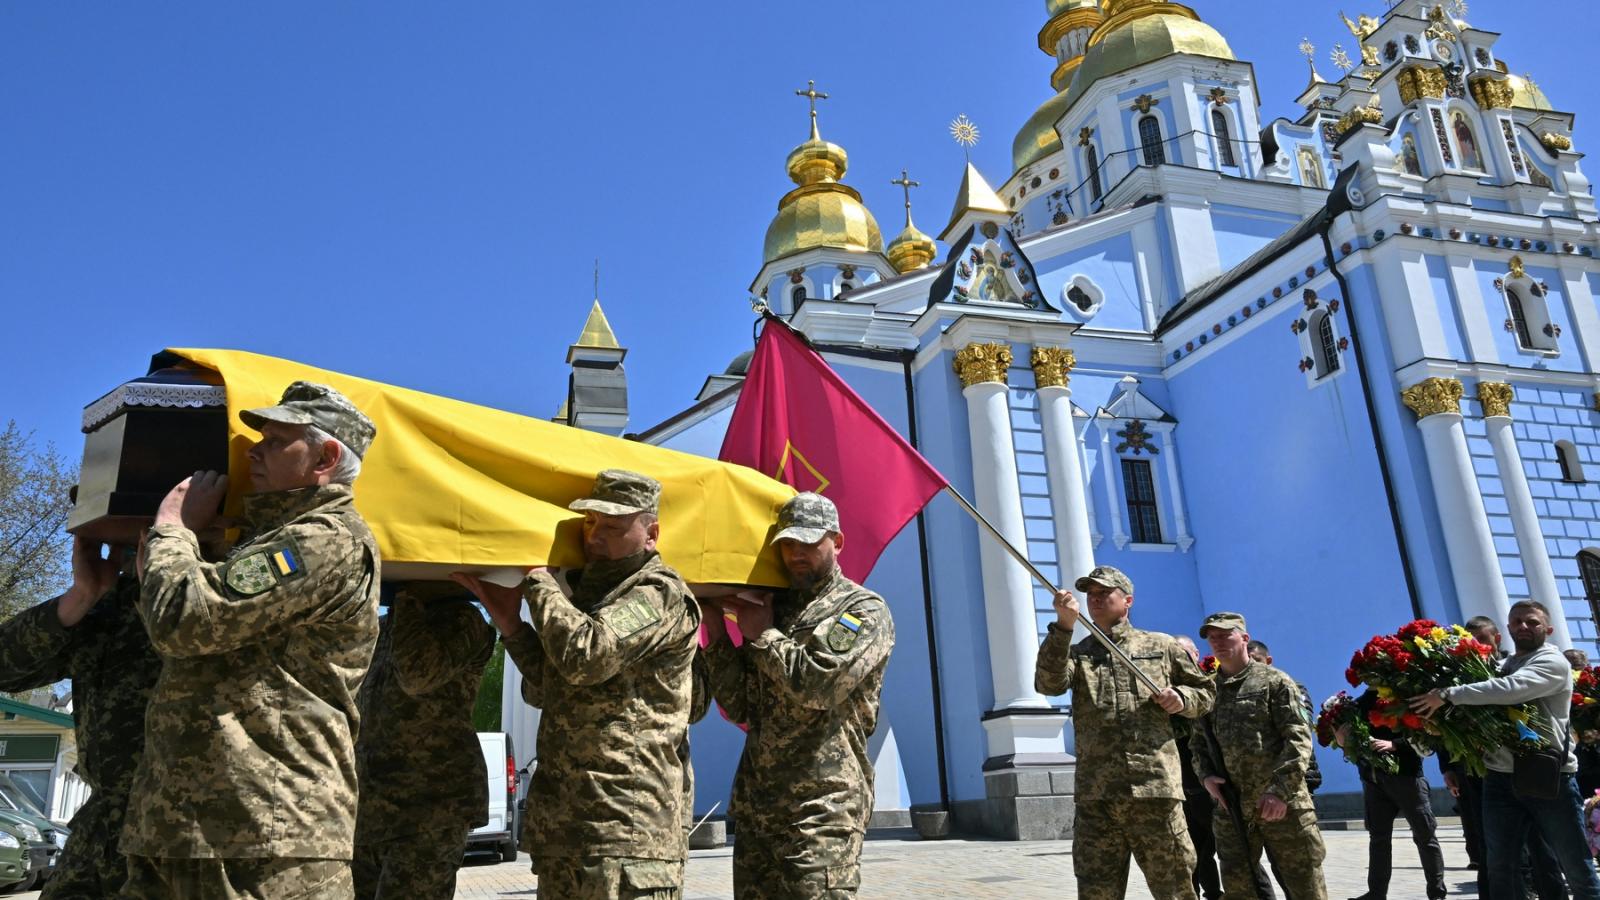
(14, 708)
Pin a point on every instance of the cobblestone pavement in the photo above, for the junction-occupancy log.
(897, 864)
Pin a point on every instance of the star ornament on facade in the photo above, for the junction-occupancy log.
(1136, 438)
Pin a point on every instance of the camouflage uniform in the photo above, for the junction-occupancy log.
(1129, 782)
(1264, 742)
(113, 669)
(248, 785)
(611, 670)
(423, 782)
(808, 689)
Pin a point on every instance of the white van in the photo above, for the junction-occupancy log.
(501, 832)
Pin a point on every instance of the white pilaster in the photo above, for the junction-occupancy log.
(1469, 544)
(1069, 503)
(1519, 501)
(1113, 477)
(1183, 539)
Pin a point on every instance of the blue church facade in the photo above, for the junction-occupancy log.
(1332, 373)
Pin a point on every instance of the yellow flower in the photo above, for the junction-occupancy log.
(1438, 634)
(1385, 693)
(1421, 642)
(1590, 701)
(1517, 715)
(1460, 632)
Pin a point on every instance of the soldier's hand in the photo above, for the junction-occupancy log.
(1382, 746)
(92, 577)
(1169, 701)
(504, 604)
(1214, 788)
(754, 618)
(711, 620)
(1427, 704)
(1066, 606)
(194, 502)
(1272, 809)
(1452, 781)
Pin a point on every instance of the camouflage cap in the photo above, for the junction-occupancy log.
(618, 492)
(807, 518)
(1105, 576)
(305, 403)
(1227, 621)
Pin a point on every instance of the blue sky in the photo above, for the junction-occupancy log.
(416, 192)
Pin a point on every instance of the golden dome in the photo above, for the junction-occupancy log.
(1527, 95)
(1057, 7)
(1038, 137)
(821, 212)
(1137, 32)
(911, 250)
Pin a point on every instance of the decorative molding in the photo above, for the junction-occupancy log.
(1496, 398)
(1492, 93)
(980, 363)
(1518, 268)
(1417, 82)
(1433, 396)
(1085, 136)
(1219, 96)
(1361, 115)
(1144, 103)
(1136, 439)
(1555, 143)
(1052, 366)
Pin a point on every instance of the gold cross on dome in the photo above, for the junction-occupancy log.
(812, 95)
(906, 184)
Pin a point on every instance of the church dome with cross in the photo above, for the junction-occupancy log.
(821, 211)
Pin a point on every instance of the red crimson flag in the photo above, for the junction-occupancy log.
(798, 422)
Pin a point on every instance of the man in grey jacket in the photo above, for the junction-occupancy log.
(1536, 673)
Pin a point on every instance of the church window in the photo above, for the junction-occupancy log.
(1519, 319)
(1589, 568)
(1144, 518)
(797, 296)
(1219, 125)
(1571, 466)
(1466, 142)
(1080, 298)
(1091, 161)
(1155, 153)
(1327, 345)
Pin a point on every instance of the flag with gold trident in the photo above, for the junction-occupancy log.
(449, 485)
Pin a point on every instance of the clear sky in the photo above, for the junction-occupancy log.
(416, 192)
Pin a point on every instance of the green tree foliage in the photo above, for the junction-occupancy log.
(486, 710)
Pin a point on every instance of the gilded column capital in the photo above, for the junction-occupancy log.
(1432, 396)
(1495, 397)
(1052, 366)
(980, 363)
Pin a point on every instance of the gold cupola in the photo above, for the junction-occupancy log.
(912, 250)
(1065, 36)
(1136, 32)
(820, 212)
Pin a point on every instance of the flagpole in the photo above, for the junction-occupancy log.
(1019, 556)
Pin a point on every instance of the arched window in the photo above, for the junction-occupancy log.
(1324, 343)
(1571, 466)
(1219, 127)
(1466, 142)
(1589, 568)
(1155, 153)
(1091, 161)
(797, 296)
(1519, 319)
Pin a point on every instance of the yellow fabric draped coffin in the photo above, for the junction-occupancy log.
(448, 483)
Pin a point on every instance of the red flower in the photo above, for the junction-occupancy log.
(1412, 721)
(1402, 660)
(1418, 627)
(1376, 718)
(1351, 676)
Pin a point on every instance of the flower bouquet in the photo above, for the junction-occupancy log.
(1424, 656)
(1341, 711)
(1209, 665)
(1586, 700)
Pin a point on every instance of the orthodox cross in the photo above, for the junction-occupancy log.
(597, 278)
(906, 184)
(812, 95)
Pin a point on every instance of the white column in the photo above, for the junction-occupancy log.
(1496, 400)
(1183, 539)
(1480, 587)
(1069, 505)
(1085, 470)
(1007, 589)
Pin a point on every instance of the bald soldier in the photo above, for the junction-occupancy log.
(247, 787)
(610, 668)
(807, 683)
(1129, 787)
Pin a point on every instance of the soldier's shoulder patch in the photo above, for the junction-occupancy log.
(261, 569)
(843, 633)
(630, 617)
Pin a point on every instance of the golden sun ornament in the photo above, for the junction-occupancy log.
(964, 131)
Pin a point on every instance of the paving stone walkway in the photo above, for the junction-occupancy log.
(898, 865)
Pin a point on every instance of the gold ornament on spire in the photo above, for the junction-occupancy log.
(1458, 8)
(905, 183)
(1341, 59)
(964, 131)
(1308, 50)
(912, 249)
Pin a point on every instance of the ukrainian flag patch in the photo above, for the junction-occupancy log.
(850, 622)
(843, 633)
(285, 563)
